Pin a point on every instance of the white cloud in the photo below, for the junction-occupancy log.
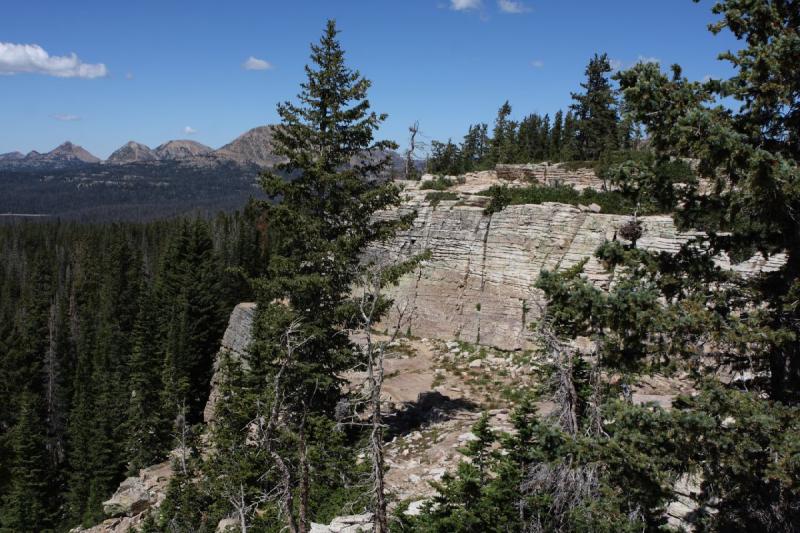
(537, 63)
(464, 5)
(65, 117)
(512, 6)
(615, 64)
(253, 63)
(188, 130)
(129, 75)
(32, 58)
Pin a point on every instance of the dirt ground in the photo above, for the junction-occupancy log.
(434, 392)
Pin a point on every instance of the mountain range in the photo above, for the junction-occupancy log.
(252, 148)
(137, 182)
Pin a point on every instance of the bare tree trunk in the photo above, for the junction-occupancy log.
(413, 129)
(375, 380)
(286, 497)
(182, 434)
(375, 355)
(287, 500)
(241, 509)
(381, 523)
(304, 480)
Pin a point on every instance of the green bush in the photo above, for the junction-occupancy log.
(439, 184)
(435, 197)
(612, 202)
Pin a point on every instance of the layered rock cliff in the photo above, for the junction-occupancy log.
(551, 174)
(478, 285)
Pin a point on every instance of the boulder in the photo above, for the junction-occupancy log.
(351, 523)
(138, 493)
(131, 498)
(414, 508)
(227, 525)
(235, 343)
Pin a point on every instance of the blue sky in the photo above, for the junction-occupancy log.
(149, 70)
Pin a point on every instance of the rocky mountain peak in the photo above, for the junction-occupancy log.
(253, 146)
(66, 152)
(131, 152)
(181, 149)
(11, 156)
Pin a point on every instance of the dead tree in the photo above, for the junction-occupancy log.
(375, 350)
(182, 435)
(412, 146)
(262, 430)
(567, 483)
(242, 509)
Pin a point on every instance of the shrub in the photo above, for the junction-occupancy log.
(435, 197)
(612, 202)
(439, 184)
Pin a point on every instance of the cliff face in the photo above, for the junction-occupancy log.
(235, 341)
(478, 285)
(550, 174)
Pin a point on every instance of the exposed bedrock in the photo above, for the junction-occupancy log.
(478, 285)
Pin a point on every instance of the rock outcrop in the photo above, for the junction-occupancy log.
(550, 174)
(235, 341)
(133, 499)
(478, 284)
(345, 524)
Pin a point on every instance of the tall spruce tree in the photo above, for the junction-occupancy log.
(556, 141)
(595, 110)
(321, 221)
(146, 430)
(503, 144)
(27, 504)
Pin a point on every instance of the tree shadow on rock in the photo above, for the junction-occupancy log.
(431, 407)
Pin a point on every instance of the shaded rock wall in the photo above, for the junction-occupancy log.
(235, 341)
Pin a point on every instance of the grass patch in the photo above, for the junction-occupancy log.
(439, 184)
(611, 202)
(437, 196)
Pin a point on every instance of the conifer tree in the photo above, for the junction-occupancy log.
(321, 223)
(750, 157)
(556, 140)
(569, 140)
(595, 110)
(27, 504)
(502, 147)
(145, 421)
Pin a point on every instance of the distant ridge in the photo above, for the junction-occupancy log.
(254, 149)
(12, 156)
